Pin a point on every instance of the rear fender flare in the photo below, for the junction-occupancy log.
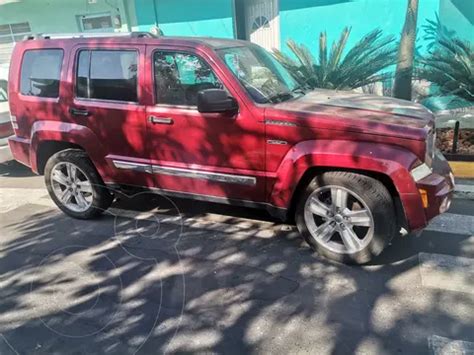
(82, 136)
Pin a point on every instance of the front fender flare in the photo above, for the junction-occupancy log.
(394, 162)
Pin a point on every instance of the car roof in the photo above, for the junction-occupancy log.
(208, 41)
(211, 42)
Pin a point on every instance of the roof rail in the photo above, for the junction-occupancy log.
(89, 35)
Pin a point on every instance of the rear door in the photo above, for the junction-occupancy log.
(219, 155)
(108, 100)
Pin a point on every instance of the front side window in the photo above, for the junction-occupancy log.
(264, 78)
(41, 72)
(107, 75)
(180, 76)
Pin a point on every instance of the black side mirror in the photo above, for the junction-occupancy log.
(215, 100)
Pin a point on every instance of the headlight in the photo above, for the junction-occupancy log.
(430, 148)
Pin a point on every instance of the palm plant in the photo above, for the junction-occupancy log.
(402, 86)
(434, 30)
(451, 67)
(359, 66)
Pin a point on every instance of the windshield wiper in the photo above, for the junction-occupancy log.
(302, 89)
(280, 97)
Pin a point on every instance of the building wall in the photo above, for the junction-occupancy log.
(56, 15)
(458, 15)
(303, 20)
(187, 17)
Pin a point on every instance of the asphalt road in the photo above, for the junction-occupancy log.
(156, 276)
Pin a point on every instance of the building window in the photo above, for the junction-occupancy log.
(9, 35)
(107, 75)
(259, 22)
(14, 32)
(96, 23)
(41, 72)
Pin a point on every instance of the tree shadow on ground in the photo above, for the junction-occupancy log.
(152, 280)
(14, 169)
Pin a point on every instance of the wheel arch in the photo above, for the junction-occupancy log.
(314, 171)
(46, 149)
(387, 163)
(50, 137)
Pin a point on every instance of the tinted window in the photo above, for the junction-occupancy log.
(40, 72)
(83, 74)
(179, 77)
(107, 75)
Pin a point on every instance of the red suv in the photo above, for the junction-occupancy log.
(223, 121)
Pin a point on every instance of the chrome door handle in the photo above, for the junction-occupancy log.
(160, 120)
(79, 112)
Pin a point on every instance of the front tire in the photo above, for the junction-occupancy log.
(346, 217)
(75, 186)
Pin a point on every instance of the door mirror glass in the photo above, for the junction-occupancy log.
(216, 100)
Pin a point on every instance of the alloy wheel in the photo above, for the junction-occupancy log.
(71, 187)
(339, 219)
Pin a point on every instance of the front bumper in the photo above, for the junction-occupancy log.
(436, 189)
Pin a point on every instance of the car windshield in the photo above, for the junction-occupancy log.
(264, 78)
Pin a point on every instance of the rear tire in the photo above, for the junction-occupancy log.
(346, 217)
(75, 186)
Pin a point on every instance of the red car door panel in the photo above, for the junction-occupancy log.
(207, 154)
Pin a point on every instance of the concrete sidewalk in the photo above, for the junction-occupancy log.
(5, 154)
(465, 189)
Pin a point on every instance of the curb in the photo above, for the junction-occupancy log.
(462, 169)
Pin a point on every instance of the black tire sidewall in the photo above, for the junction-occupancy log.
(375, 196)
(101, 197)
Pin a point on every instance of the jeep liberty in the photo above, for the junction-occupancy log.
(223, 121)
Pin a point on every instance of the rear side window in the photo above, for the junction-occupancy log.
(41, 72)
(107, 75)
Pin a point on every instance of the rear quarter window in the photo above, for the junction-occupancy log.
(41, 72)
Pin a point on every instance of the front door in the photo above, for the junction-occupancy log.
(215, 155)
(263, 23)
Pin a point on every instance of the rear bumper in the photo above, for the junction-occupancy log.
(20, 148)
(434, 195)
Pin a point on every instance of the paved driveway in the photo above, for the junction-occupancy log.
(155, 275)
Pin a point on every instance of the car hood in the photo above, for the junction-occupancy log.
(360, 112)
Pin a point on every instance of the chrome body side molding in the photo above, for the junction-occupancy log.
(127, 165)
(205, 175)
(187, 173)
